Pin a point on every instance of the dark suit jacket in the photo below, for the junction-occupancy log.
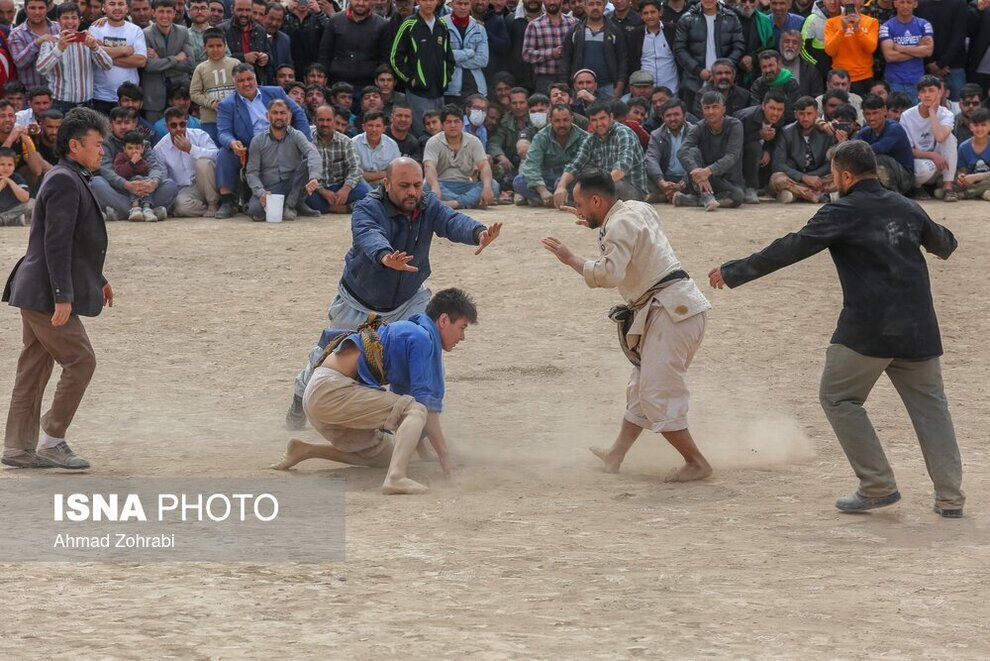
(788, 153)
(234, 119)
(66, 248)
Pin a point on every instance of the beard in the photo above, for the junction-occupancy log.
(723, 85)
(789, 55)
(747, 11)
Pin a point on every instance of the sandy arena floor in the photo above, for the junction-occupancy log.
(532, 552)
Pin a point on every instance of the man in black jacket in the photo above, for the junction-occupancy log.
(354, 45)
(240, 30)
(887, 324)
(57, 281)
(304, 23)
(723, 81)
(599, 45)
(761, 124)
(691, 44)
(421, 56)
(712, 157)
(801, 168)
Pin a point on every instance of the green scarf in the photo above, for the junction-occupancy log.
(782, 78)
(764, 28)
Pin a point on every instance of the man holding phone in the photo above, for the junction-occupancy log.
(850, 40)
(70, 62)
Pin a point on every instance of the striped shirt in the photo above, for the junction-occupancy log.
(620, 150)
(540, 38)
(70, 72)
(25, 53)
(341, 165)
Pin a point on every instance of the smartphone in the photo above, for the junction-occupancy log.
(848, 8)
(845, 127)
(77, 38)
(303, 3)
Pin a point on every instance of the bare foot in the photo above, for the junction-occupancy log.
(403, 486)
(610, 465)
(295, 452)
(689, 473)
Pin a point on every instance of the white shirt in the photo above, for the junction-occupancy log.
(658, 59)
(24, 117)
(181, 165)
(919, 129)
(107, 82)
(710, 53)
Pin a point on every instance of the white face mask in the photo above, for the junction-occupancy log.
(538, 119)
(476, 117)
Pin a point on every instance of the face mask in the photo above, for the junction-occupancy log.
(538, 119)
(476, 117)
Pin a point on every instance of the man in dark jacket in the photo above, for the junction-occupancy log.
(775, 77)
(248, 41)
(801, 169)
(690, 43)
(385, 271)
(887, 324)
(498, 36)
(600, 46)
(304, 23)
(664, 172)
(354, 44)
(723, 81)
(712, 157)
(59, 279)
(422, 57)
(761, 125)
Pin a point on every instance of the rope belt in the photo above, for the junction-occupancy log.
(374, 352)
(623, 315)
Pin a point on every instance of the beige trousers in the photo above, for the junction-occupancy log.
(192, 201)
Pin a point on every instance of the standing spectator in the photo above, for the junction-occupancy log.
(974, 159)
(456, 167)
(113, 191)
(890, 144)
(7, 13)
(353, 44)
(527, 12)
(711, 155)
(130, 95)
(801, 168)
(315, 97)
(375, 149)
(199, 23)
(978, 64)
(929, 127)
(813, 35)
(950, 21)
(782, 20)
(422, 57)
(280, 48)
(498, 35)
(757, 32)
(707, 32)
(624, 15)
(850, 40)
(305, 23)
(664, 171)
(190, 157)
(218, 12)
(649, 49)
(400, 130)
(26, 40)
(761, 127)
(469, 43)
(282, 160)
(810, 82)
(90, 11)
(906, 41)
(543, 45)
(774, 77)
(170, 59)
(385, 81)
(248, 41)
(340, 183)
(69, 65)
(600, 46)
(212, 80)
(124, 43)
(316, 74)
(140, 12)
(285, 74)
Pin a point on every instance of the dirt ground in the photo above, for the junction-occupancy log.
(532, 552)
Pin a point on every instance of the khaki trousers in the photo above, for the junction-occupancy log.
(192, 200)
(846, 383)
(44, 345)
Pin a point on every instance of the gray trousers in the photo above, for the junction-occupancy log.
(293, 189)
(419, 106)
(846, 383)
(109, 196)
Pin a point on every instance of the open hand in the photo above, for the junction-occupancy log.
(399, 261)
(581, 220)
(487, 236)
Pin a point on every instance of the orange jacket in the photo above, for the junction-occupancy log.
(854, 52)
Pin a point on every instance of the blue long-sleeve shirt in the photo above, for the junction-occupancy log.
(892, 142)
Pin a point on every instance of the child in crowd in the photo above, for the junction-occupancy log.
(212, 80)
(15, 200)
(974, 159)
(132, 166)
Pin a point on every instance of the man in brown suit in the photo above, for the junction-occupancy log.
(57, 281)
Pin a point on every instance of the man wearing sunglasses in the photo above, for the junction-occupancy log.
(191, 158)
(970, 100)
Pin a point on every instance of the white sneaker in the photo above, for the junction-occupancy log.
(149, 215)
(785, 197)
(986, 195)
(136, 215)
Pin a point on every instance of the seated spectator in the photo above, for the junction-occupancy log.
(843, 124)
(131, 166)
(969, 102)
(297, 92)
(131, 96)
(39, 100)
(639, 111)
(475, 113)
(170, 59)
(761, 125)
(432, 126)
(881, 88)
(801, 167)
(558, 93)
(68, 66)
(550, 150)
(974, 159)
(539, 108)
(16, 204)
(723, 81)
(316, 74)
(340, 184)
(45, 141)
(640, 85)
(15, 92)
(239, 120)
(805, 73)
(342, 95)
(620, 113)
(774, 77)
(344, 121)
(889, 141)
(502, 83)
(711, 155)
(178, 97)
(665, 173)
(838, 79)
(282, 161)
(285, 74)
(385, 81)
(400, 130)
(28, 162)
(115, 193)
(371, 99)
(190, 157)
(850, 40)
(315, 97)
(375, 149)
(502, 145)
(610, 147)
(456, 167)
(585, 83)
(831, 100)
(905, 41)
(897, 104)
(929, 128)
(212, 80)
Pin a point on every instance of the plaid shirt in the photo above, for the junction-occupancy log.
(620, 150)
(25, 53)
(540, 39)
(340, 161)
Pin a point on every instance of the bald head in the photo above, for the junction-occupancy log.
(404, 183)
(7, 12)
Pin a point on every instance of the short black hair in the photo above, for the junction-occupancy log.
(7, 152)
(672, 103)
(662, 90)
(279, 102)
(51, 113)
(503, 77)
(179, 92)
(174, 112)
(163, 3)
(599, 107)
(66, 8)
(340, 87)
(775, 94)
(213, 33)
(519, 90)
(133, 138)
(431, 113)
(384, 68)
(451, 110)
(724, 62)
(316, 66)
(14, 87)
(536, 99)
(805, 102)
(619, 108)
(970, 89)
(595, 182)
(129, 90)
(78, 122)
(928, 80)
(854, 156)
(285, 66)
(874, 102)
(316, 87)
(372, 115)
(899, 101)
(560, 87)
(835, 93)
(845, 113)
(371, 89)
(122, 113)
(882, 83)
(560, 107)
(769, 54)
(288, 87)
(38, 91)
(712, 98)
(639, 102)
(841, 73)
(455, 303)
(980, 116)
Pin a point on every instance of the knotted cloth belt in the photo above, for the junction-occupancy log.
(374, 352)
(623, 315)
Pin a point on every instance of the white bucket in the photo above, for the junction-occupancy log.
(273, 208)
